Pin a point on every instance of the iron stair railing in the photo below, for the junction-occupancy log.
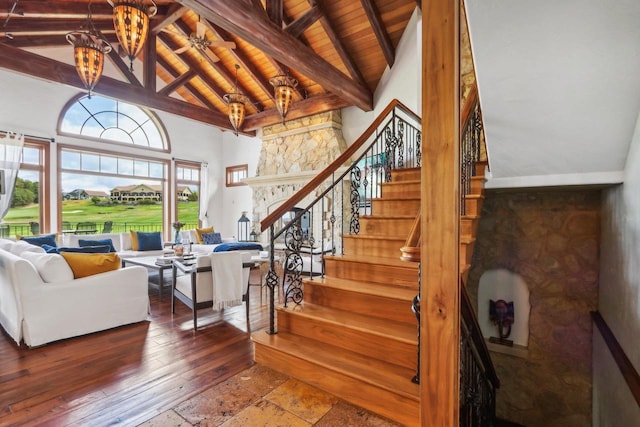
(336, 198)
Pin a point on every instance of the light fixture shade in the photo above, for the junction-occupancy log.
(131, 22)
(283, 92)
(236, 109)
(88, 52)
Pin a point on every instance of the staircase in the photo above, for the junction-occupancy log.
(355, 335)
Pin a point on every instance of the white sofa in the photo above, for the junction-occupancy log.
(123, 245)
(43, 304)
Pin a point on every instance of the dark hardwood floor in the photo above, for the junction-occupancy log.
(129, 374)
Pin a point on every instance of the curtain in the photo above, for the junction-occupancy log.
(10, 152)
(204, 194)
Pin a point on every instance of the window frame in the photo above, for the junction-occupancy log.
(231, 170)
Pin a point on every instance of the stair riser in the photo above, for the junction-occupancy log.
(379, 347)
(469, 227)
(375, 273)
(406, 175)
(356, 302)
(374, 226)
(396, 207)
(409, 190)
(368, 396)
(477, 185)
(473, 206)
(466, 252)
(389, 248)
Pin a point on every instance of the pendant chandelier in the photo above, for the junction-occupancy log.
(131, 22)
(88, 51)
(236, 105)
(283, 86)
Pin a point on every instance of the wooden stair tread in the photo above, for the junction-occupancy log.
(390, 217)
(392, 262)
(388, 376)
(409, 181)
(368, 237)
(377, 289)
(373, 325)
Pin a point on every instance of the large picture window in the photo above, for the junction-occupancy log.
(110, 120)
(187, 194)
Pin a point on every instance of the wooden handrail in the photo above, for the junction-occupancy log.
(469, 107)
(627, 370)
(334, 166)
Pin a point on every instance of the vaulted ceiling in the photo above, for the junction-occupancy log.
(337, 50)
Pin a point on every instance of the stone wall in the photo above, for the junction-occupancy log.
(291, 155)
(551, 239)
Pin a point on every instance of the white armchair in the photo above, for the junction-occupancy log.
(218, 280)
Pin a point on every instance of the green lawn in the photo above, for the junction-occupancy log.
(123, 216)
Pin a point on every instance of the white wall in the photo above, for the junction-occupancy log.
(619, 297)
(403, 82)
(32, 106)
(237, 150)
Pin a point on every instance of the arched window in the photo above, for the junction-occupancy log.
(111, 120)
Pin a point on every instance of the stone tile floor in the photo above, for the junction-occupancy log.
(261, 397)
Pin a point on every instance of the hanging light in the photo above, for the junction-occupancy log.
(88, 51)
(131, 22)
(283, 85)
(236, 105)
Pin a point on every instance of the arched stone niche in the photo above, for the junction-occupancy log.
(506, 285)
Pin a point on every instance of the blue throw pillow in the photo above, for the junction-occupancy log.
(101, 242)
(149, 241)
(97, 249)
(211, 238)
(50, 249)
(49, 239)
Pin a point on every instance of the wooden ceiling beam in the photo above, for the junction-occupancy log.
(175, 12)
(339, 46)
(242, 59)
(149, 63)
(304, 108)
(48, 69)
(384, 40)
(35, 26)
(123, 68)
(58, 9)
(179, 81)
(243, 20)
(297, 27)
(275, 11)
(188, 86)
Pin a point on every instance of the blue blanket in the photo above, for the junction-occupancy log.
(238, 246)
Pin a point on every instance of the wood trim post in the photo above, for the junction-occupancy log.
(440, 307)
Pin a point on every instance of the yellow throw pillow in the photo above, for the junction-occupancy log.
(84, 265)
(134, 240)
(201, 231)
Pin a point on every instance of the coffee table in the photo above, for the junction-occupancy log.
(150, 263)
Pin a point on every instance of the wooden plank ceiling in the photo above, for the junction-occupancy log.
(337, 50)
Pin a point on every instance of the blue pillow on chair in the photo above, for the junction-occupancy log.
(108, 242)
(95, 249)
(149, 241)
(49, 239)
(211, 238)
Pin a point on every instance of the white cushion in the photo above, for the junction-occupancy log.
(125, 242)
(20, 247)
(51, 267)
(74, 240)
(6, 244)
